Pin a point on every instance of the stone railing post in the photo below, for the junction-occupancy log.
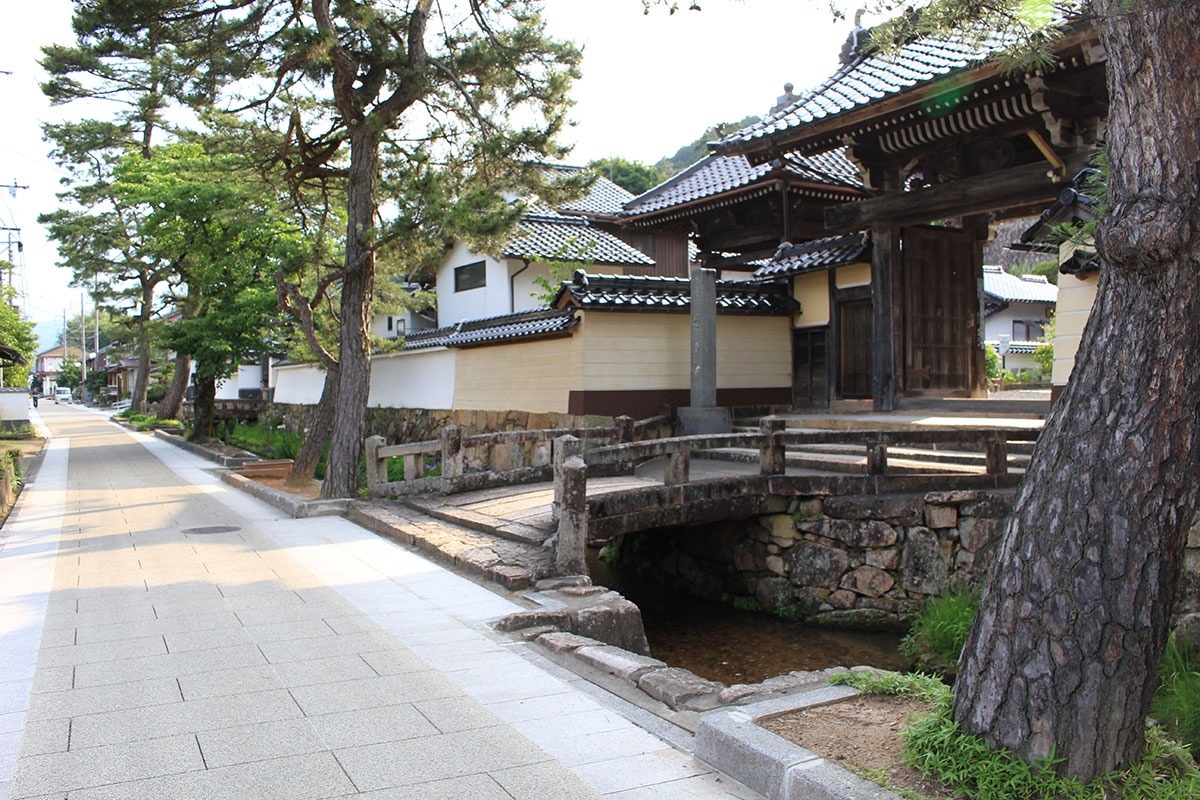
(452, 466)
(570, 484)
(772, 455)
(624, 427)
(996, 454)
(565, 447)
(376, 468)
(677, 467)
(876, 457)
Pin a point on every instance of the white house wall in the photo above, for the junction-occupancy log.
(248, 376)
(1001, 323)
(423, 379)
(489, 300)
(298, 384)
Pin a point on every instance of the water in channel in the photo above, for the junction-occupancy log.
(730, 645)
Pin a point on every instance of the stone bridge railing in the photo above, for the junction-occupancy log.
(461, 462)
(681, 501)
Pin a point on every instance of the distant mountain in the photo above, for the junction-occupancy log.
(691, 153)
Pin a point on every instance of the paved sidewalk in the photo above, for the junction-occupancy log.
(165, 636)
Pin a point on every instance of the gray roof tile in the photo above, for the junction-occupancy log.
(1018, 288)
(836, 251)
(867, 79)
(521, 325)
(564, 238)
(645, 293)
(717, 174)
(604, 197)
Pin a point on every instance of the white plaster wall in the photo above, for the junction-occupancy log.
(300, 384)
(247, 376)
(423, 379)
(486, 301)
(1001, 322)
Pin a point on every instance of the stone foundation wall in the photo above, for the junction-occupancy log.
(846, 562)
(422, 424)
(842, 561)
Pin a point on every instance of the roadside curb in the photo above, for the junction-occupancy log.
(731, 741)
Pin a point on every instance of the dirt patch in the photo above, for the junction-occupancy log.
(861, 734)
(310, 490)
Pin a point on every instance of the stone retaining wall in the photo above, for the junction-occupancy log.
(842, 561)
(866, 561)
(423, 424)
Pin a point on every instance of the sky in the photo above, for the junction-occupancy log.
(651, 84)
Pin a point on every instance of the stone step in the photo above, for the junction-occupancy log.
(511, 564)
(511, 530)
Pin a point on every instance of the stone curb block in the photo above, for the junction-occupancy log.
(732, 742)
(618, 662)
(289, 504)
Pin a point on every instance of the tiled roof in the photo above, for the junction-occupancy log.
(521, 325)
(603, 197)
(1018, 288)
(867, 79)
(564, 238)
(1017, 348)
(717, 174)
(836, 251)
(644, 293)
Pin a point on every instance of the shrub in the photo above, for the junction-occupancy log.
(991, 360)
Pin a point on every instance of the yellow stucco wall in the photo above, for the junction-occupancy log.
(812, 290)
(653, 351)
(610, 351)
(533, 376)
(853, 275)
(1075, 297)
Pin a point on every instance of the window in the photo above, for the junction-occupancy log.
(470, 276)
(1027, 330)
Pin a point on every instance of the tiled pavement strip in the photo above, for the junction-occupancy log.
(279, 659)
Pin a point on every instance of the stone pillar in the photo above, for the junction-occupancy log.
(624, 427)
(565, 447)
(703, 416)
(772, 456)
(703, 308)
(376, 471)
(996, 454)
(452, 452)
(876, 458)
(677, 467)
(570, 483)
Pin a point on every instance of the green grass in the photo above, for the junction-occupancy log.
(145, 422)
(1176, 704)
(936, 747)
(935, 640)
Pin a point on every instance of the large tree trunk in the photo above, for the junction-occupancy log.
(354, 349)
(203, 410)
(1064, 655)
(320, 425)
(137, 401)
(171, 406)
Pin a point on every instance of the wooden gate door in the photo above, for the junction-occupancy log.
(854, 348)
(940, 309)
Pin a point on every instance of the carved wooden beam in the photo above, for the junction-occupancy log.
(974, 195)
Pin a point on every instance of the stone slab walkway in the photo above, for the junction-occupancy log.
(163, 635)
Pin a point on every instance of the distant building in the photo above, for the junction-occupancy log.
(49, 365)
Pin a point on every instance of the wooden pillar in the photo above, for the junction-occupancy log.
(884, 308)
